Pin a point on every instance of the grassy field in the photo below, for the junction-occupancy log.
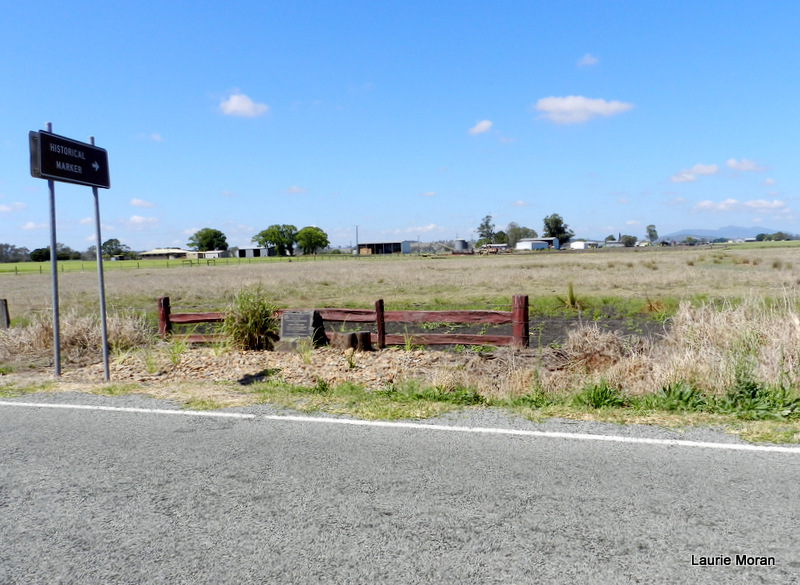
(729, 345)
(630, 279)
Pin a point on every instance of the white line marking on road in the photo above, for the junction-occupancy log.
(421, 426)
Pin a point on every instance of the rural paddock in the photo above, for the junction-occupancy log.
(610, 277)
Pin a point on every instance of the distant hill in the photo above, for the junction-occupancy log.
(730, 232)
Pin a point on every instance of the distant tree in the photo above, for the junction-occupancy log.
(780, 237)
(282, 237)
(500, 237)
(10, 253)
(554, 227)
(40, 255)
(628, 241)
(610, 238)
(310, 239)
(762, 237)
(486, 229)
(516, 233)
(652, 234)
(114, 247)
(208, 239)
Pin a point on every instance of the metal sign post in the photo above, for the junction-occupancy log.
(57, 158)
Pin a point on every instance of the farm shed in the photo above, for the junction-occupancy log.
(585, 245)
(403, 247)
(256, 252)
(164, 254)
(537, 244)
(208, 254)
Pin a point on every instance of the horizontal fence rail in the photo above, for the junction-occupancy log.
(517, 318)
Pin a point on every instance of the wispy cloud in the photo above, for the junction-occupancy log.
(576, 109)
(481, 127)
(519, 203)
(689, 175)
(141, 203)
(769, 182)
(138, 221)
(428, 194)
(759, 205)
(34, 226)
(238, 104)
(295, 190)
(587, 60)
(743, 165)
(16, 206)
(425, 229)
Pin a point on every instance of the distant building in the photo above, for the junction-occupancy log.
(256, 252)
(207, 254)
(164, 254)
(537, 244)
(585, 245)
(370, 249)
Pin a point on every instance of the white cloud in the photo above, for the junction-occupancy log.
(86, 221)
(708, 205)
(587, 60)
(687, 176)
(156, 137)
(519, 203)
(16, 206)
(633, 222)
(226, 193)
(762, 204)
(141, 203)
(622, 200)
(431, 227)
(239, 104)
(480, 127)
(576, 109)
(769, 182)
(743, 165)
(428, 194)
(34, 226)
(137, 221)
(295, 190)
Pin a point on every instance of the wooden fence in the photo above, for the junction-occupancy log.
(517, 318)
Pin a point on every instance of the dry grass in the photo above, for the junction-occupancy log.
(413, 281)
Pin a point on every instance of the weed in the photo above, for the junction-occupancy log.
(149, 361)
(305, 347)
(599, 396)
(351, 359)
(680, 397)
(175, 349)
(250, 320)
(571, 301)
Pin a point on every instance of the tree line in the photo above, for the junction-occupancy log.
(282, 237)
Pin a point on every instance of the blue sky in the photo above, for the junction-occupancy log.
(407, 119)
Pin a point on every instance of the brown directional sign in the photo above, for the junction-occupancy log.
(63, 159)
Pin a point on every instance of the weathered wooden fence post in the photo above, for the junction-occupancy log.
(380, 324)
(5, 320)
(164, 324)
(519, 320)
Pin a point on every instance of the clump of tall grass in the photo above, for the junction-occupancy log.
(251, 321)
(80, 336)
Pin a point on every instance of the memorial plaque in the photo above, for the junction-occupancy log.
(300, 325)
(297, 325)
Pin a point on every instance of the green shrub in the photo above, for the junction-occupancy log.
(600, 396)
(251, 321)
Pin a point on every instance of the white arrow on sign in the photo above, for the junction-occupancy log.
(95, 166)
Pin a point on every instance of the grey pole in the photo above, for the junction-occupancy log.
(54, 271)
(101, 282)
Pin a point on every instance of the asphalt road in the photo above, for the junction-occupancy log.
(109, 497)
